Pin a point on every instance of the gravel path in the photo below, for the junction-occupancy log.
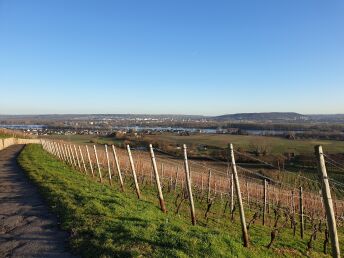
(27, 228)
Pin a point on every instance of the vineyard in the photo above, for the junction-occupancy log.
(215, 190)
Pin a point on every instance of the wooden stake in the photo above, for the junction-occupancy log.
(70, 155)
(209, 185)
(99, 171)
(69, 161)
(238, 192)
(134, 172)
(202, 184)
(118, 167)
(301, 212)
(74, 161)
(58, 151)
(52, 148)
(264, 200)
(77, 157)
(108, 164)
(156, 173)
(327, 199)
(292, 204)
(82, 160)
(63, 152)
(188, 181)
(89, 161)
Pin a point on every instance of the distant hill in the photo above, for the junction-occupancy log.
(263, 116)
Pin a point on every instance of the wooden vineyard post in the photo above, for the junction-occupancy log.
(82, 160)
(89, 161)
(63, 153)
(97, 160)
(63, 146)
(189, 188)
(48, 146)
(52, 148)
(118, 167)
(267, 197)
(327, 200)
(202, 185)
(301, 212)
(293, 204)
(157, 179)
(77, 157)
(209, 185)
(69, 159)
(134, 172)
(58, 151)
(59, 154)
(108, 164)
(71, 150)
(264, 200)
(238, 192)
(70, 155)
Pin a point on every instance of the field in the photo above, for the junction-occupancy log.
(276, 145)
(105, 222)
(79, 139)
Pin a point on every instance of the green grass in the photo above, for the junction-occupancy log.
(105, 222)
(3, 136)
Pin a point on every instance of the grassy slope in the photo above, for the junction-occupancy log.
(105, 222)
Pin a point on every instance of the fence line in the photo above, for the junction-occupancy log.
(257, 194)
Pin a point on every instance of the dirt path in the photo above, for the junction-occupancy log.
(27, 228)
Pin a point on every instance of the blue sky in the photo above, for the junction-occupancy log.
(180, 56)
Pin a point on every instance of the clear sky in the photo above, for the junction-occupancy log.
(178, 56)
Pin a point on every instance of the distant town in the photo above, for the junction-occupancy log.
(288, 125)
